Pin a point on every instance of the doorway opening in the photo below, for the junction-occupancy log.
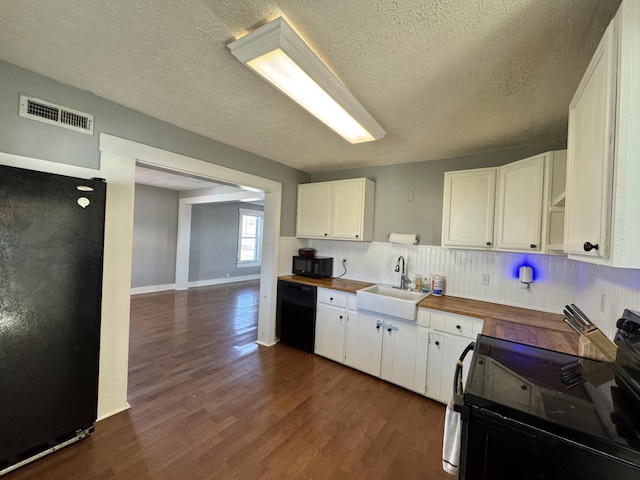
(118, 159)
(187, 231)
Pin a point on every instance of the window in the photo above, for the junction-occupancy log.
(250, 238)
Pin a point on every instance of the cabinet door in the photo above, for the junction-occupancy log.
(422, 359)
(590, 154)
(348, 209)
(468, 208)
(314, 210)
(444, 352)
(399, 353)
(434, 366)
(519, 205)
(330, 325)
(363, 343)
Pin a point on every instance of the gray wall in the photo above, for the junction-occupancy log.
(155, 230)
(29, 138)
(214, 241)
(424, 181)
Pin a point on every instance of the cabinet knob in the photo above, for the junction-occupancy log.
(331, 298)
(437, 343)
(588, 246)
(326, 234)
(389, 329)
(377, 327)
(533, 245)
(523, 387)
(458, 327)
(488, 244)
(357, 236)
(340, 317)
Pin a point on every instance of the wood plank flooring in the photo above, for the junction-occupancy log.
(208, 403)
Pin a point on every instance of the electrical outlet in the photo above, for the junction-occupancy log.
(485, 279)
(603, 302)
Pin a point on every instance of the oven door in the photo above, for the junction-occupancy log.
(495, 447)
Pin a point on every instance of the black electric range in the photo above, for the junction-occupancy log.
(532, 413)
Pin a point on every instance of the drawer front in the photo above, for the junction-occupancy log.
(454, 324)
(459, 325)
(332, 297)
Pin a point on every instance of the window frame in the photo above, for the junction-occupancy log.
(257, 261)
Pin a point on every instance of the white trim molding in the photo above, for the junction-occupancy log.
(132, 152)
(152, 289)
(220, 281)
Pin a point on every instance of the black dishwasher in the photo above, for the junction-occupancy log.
(296, 315)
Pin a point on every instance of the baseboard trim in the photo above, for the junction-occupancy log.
(219, 281)
(152, 288)
(114, 412)
(264, 344)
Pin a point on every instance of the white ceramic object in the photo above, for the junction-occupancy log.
(390, 301)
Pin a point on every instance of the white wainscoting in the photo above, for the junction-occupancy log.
(558, 281)
(288, 248)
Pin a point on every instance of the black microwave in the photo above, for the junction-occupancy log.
(315, 267)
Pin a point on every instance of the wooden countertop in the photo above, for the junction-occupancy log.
(531, 327)
(343, 285)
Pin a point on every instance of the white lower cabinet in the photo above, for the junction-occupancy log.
(444, 351)
(390, 348)
(363, 343)
(330, 323)
(420, 356)
(404, 355)
(449, 336)
(331, 317)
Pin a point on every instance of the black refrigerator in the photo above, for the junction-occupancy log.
(51, 256)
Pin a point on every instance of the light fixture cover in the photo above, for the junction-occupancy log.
(279, 55)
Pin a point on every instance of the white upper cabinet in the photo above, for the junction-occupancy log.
(603, 164)
(526, 199)
(590, 154)
(314, 210)
(468, 208)
(519, 209)
(339, 210)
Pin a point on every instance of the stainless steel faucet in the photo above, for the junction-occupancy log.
(403, 277)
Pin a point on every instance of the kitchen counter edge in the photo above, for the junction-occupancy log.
(523, 325)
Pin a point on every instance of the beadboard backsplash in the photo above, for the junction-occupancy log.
(557, 280)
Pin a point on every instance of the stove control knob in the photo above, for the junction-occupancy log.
(628, 326)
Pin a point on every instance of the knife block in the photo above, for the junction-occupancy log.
(596, 346)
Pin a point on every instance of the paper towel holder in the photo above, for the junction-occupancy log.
(404, 238)
(525, 276)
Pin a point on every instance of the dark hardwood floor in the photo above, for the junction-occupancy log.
(208, 403)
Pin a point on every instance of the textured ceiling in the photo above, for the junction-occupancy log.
(445, 78)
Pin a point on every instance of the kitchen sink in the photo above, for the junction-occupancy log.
(390, 301)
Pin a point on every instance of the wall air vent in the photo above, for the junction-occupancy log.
(47, 112)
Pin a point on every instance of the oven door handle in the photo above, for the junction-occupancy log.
(458, 388)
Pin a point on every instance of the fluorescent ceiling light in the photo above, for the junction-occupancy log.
(279, 55)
